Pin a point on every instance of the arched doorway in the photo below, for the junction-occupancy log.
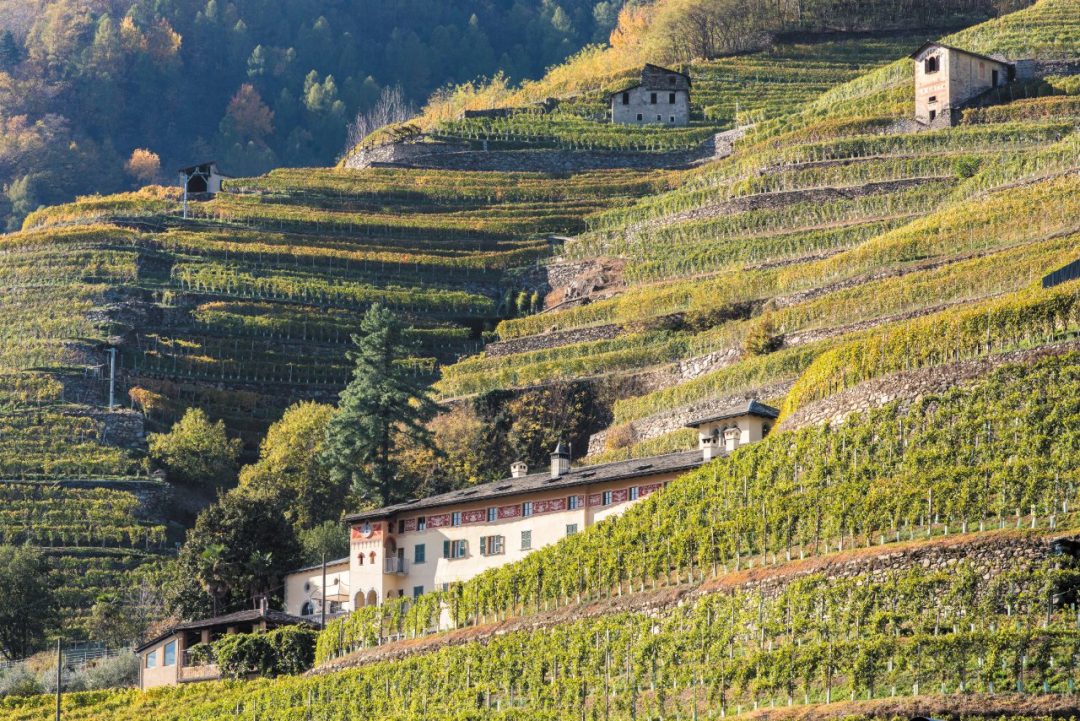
(372, 598)
(358, 600)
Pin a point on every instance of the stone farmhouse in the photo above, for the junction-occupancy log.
(947, 79)
(427, 544)
(167, 660)
(661, 97)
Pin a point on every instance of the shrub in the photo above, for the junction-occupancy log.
(19, 680)
(196, 451)
(240, 655)
(762, 337)
(966, 166)
(113, 672)
(619, 436)
(293, 648)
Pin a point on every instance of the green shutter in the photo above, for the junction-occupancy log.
(446, 549)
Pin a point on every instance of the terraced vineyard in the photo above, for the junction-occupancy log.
(727, 92)
(833, 235)
(243, 308)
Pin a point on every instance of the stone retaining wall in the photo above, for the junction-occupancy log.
(551, 340)
(658, 424)
(909, 387)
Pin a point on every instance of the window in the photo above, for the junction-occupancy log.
(639, 117)
(634, 493)
(571, 529)
(626, 98)
(932, 99)
(526, 540)
(151, 659)
(658, 118)
(419, 553)
(455, 519)
(359, 559)
(671, 98)
(652, 98)
(401, 526)
(455, 549)
(606, 498)
(526, 508)
(672, 119)
(417, 591)
(931, 64)
(572, 502)
(308, 609)
(307, 585)
(445, 587)
(493, 514)
(933, 114)
(491, 545)
(421, 523)
(169, 655)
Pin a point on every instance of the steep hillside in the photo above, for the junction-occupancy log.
(829, 235)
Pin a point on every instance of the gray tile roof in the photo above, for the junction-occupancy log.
(274, 618)
(753, 408)
(583, 475)
(316, 566)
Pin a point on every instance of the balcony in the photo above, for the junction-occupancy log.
(396, 566)
(196, 668)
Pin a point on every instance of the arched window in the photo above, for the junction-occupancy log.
(308, 609)
(930, 65)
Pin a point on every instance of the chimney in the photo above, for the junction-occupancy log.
(560, 461)
(519, 469)
(710, 449)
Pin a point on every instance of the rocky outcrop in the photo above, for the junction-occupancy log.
(555, 339)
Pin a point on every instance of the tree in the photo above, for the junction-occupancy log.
(383, 397)
(11, 52)
(27, 600)
(327, 541)
(292, 467)
(248, 119)
(195, 451)
(144, 166)
(238, 551)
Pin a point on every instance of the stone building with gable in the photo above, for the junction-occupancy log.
(947, 79)
(660, 97)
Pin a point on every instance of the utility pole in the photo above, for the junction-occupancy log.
(112, 377)
(323, 602)
(58, 678)
(187, 180)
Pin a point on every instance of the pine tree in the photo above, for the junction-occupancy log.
(382, 401)
(10, 51)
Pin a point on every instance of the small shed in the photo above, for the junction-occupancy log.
(166, 659)
(948, 78)
(201, 178)
(660, 97)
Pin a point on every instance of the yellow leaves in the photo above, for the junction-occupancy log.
(159, 41)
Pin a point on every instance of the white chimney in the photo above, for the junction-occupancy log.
(519, 469)
(731, 438)
(560, 461)
(709, 448)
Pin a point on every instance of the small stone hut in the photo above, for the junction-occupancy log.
(948, 78)
(661, 97)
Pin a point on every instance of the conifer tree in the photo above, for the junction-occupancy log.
(383, 401)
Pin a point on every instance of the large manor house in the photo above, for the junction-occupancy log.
(427, 544)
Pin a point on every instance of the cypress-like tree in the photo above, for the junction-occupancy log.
(383, 401)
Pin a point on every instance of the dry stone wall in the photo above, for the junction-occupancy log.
(909, 387)
(658, 424)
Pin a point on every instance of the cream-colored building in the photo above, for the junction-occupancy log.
(661, 97)
(948, 78)
(304, 590)
(427, 544)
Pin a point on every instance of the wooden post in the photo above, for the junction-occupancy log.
(58, 678)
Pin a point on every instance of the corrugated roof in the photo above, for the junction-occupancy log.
(583, 475)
